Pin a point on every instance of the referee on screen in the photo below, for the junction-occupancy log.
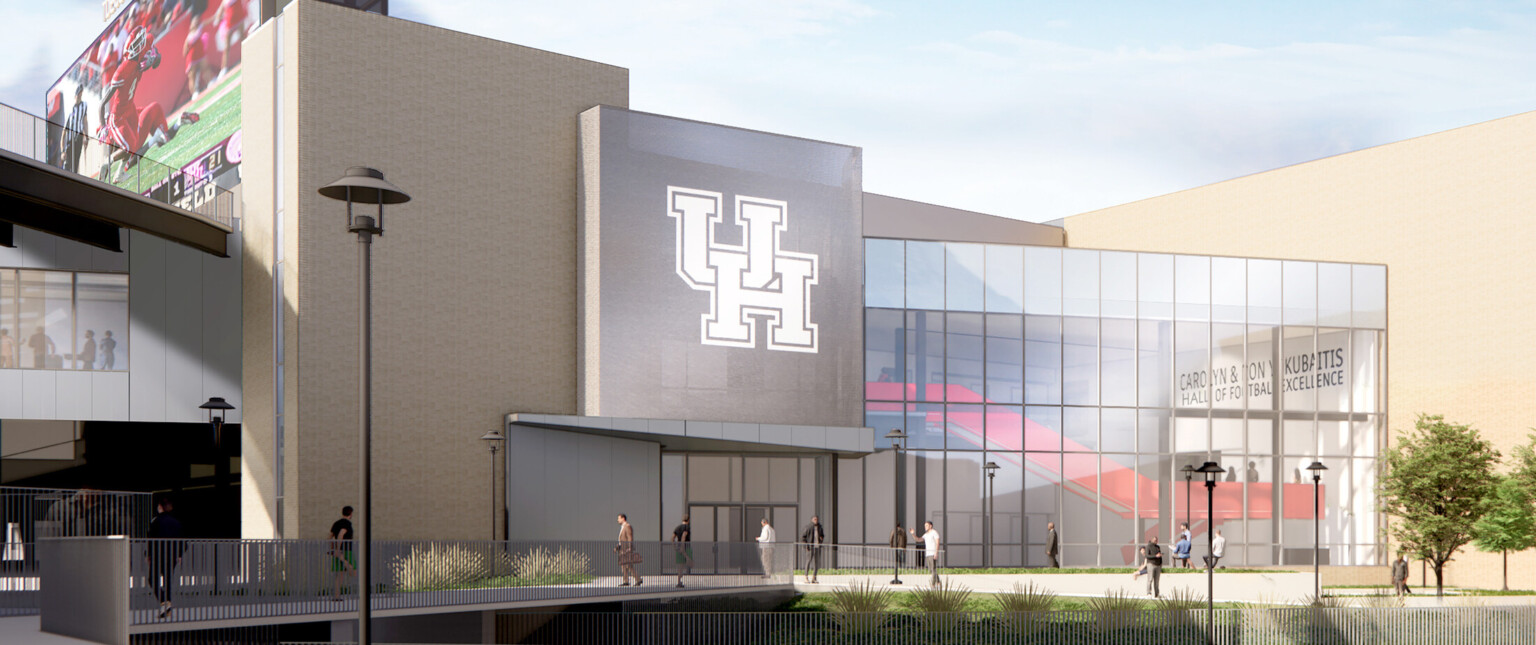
(74, 132)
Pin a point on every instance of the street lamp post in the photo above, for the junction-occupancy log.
(217, 407)
(363, 185)
(1189, 476)
(493, 439)
(1317, 469)
(897, 437)
(991, 468)
(1212, 472)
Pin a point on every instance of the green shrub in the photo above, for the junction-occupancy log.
(1115, 610)
(541, 564)
(860, 607)
(1025, 606)
(437, 566)
(941, 606)
(1174, 608)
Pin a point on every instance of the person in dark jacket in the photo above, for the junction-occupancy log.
(813, 537)
(165, 549)
(1052, 545)
(899, 543)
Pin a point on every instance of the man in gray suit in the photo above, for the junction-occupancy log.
(1052, 545)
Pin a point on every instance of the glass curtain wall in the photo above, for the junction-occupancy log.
(63, 320)
(1092, 377)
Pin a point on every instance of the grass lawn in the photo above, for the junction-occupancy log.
(822, 602)
(1030, 571)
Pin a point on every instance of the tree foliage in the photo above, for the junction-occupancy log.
(1437, 482)
(1509, 525)
(1525, 466)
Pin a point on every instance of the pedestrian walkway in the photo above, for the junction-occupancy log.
(1278, 587)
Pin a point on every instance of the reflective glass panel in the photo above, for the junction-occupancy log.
(1298, 369)
(1117, 429)
(1192, 280)
(1369, 296)
(1192, 341)
(1299, 281)
(964, 359)
(964, 266)
(1152, 431)
(1154, 285)
(1117, 284)
(1042, 280)
(1228, 344)
(925, 425)
(1154, 365)
(884, 273)
(1262, 376)
(10, 334)
(1080, 361)
(1080, 282)
(102, 308)
(1264, 295)
(1117, 362)
(1229, 289)
(885, 337)
(45, 316)
(1005, 279)
(1081, 429)
(1005, 358)
(965, 426)
(1042, 359)
(1330, 372)
(963, 496)
(1005, 427)
(1333, 300)
(925, 355)
(1042, 428)
(925, 275)
(1364, 359)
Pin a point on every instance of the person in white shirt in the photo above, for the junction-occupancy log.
(930, 539)
(765, 542)
(1218, 549)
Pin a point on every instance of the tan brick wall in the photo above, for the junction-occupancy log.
(1450, 214)
(257, 511)
(474, 281)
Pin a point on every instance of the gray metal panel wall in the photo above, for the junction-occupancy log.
(570, 486)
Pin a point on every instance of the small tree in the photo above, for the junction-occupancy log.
(1509, 524)
(1525, 466)
(1437, 482)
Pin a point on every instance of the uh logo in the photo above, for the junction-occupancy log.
(755, 279)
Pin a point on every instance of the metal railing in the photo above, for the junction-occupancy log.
(30, 514)
(29, 135)
(1259, 626)
(239, 579)
(908, 565)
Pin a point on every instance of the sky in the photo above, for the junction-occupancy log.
(1028, 109)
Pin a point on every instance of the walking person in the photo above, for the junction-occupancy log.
(628, 557)
(1181, 551)
(813, 537)
(765, 541)
(899, 543)
(7, 349)
(1052, 545)
(343, 563)
(165, 548)
(1153, 553)
(86, 359)
(42, 347)
(931, 541)
(682, 543)
(1218, 550)
(1400, 574)
(106, 348)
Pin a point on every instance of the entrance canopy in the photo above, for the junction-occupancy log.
(712, 436)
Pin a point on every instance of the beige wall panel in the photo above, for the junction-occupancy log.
(257, 508)
(1450, 214)
(474, 282)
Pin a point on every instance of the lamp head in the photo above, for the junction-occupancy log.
(1189, 472)
(897, 437)
(1212, 471)
(363, 185)
(991, 468)
(1317, 469)
(216, 403)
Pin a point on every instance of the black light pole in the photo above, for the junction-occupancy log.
(1212, 472)
(897, 437)
(216, 407)
(363, 185)
(1317, 469)
(493, 439)
(1189, 475)
(991, 468)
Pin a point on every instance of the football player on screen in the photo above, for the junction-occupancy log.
(131, 129)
